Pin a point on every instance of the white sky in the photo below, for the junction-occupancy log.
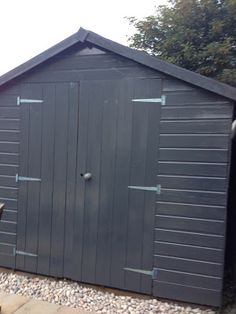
(28, 27)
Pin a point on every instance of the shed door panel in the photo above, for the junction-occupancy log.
(118, 142)
(48, 137)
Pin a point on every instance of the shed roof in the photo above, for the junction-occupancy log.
(141, 57)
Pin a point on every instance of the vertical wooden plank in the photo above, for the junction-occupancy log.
(78, 225)
(71, 178)
(23, 190)
(106, 190)
(137, 178)
(34, 170)
(59, 184)
(121, 182)
(45, 216)
(154, 111)
(92, 186)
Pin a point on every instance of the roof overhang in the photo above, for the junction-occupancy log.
(141, 57)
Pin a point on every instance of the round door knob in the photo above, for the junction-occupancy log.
(87, 176)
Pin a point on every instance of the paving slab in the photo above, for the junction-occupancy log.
(11, 302)
(38, 307)
(68, 310)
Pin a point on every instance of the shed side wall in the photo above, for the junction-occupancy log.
(193, 170)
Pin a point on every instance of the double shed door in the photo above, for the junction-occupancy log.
(88, 230)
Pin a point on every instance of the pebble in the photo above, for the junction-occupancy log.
(73, 294)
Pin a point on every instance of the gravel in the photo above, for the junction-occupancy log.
(90, 298)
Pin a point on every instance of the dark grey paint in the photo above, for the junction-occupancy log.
(90, 230)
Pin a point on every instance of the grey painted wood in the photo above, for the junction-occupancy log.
(191, 210)
(196, 126)
(142, 173)
(9, 112)
(47, 171)
(188, 265)
(193, 197)
(9, 136)
(59, 184)
(185, 293)
(7, 226)
(9, 124)
(190, 224)
(9, 215)
(121, 181)
(106, 190)
(193, 183)
(192, 112)
(78, 225)
(193, 169)
(191, 154)
(177, 234)
(188, 279)
(8, 238)
(93, 165)
(189, 252)
(34, 170)
(72, 140)
(193, 140)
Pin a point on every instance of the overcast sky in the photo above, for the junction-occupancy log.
(28, 27)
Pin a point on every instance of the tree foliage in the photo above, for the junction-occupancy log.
(199, 35)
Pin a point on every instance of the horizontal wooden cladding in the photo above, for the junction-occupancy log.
(9, 135)
(9, 147)
(193, 154)
(188, 251)
(188, 279)
(191, 210)
(193, 169)
(173, 85)
(8, 192)
(187, 293)
(9, 158)
(6, 249)
(102, 61)
(193, 197)
(7, 261)
(7, 226)
(191, 224)
(191, 182)
(93, 74)
(9, 170)
(189, 238)
(9, 112)
(8, 100)
(188, 265)
(8, 181)
(195, 141)
(10, 204)
(188, 97)
(196, 112)
(7, 238)
(196, 126)
(9, 124)
(9, 215)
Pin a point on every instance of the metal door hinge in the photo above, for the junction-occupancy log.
(20, 101)
(152, 273)
(156, 189)
(20, 178)
(16, 252)
(161, 100)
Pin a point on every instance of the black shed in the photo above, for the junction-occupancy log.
(114, 170)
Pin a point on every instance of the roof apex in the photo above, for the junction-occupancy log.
(143, 58)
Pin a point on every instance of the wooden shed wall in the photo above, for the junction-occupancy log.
(193, 170)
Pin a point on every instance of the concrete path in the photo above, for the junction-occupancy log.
(11, 303)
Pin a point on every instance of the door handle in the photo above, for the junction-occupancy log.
(87, 176)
